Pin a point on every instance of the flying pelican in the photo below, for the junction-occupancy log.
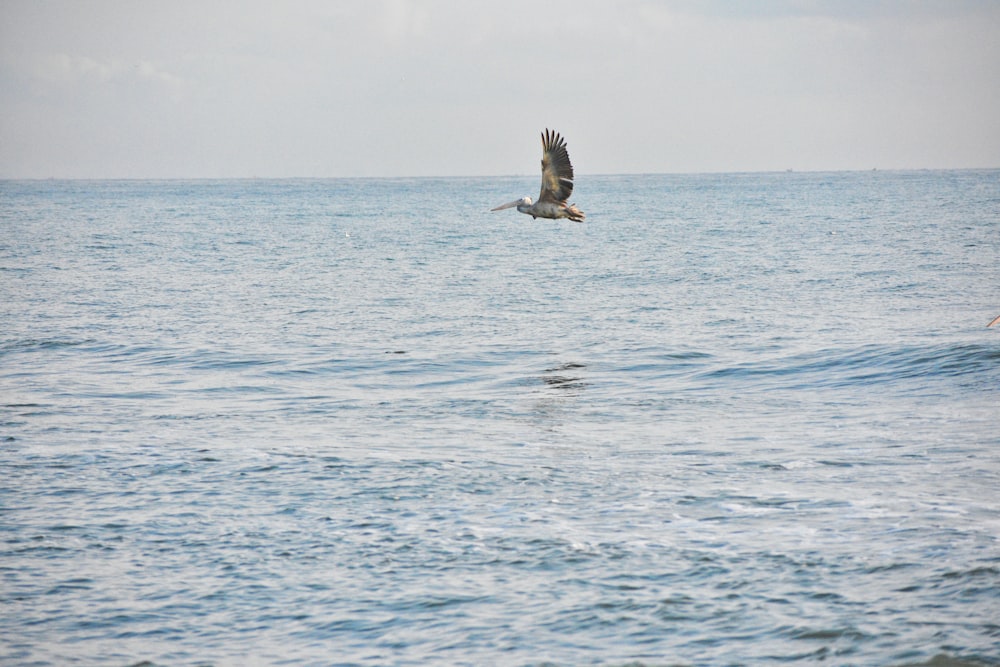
(557, 184)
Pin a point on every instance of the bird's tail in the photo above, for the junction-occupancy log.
(574, 214)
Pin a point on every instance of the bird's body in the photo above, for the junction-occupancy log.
(557, 184)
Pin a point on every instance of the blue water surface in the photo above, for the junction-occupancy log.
(730, 419)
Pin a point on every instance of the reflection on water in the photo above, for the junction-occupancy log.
(564, 377)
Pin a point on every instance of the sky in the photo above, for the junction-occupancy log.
(331, 88)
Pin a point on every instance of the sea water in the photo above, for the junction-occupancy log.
(733, 419)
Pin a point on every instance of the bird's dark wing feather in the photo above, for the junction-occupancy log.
(557, 172)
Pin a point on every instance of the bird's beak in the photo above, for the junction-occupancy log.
(507, 205)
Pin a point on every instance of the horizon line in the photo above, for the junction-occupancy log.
(481, 176)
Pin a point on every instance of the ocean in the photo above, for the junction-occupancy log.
(731, 419)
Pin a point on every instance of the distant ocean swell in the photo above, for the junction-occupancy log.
(876, 364)
(869, 364)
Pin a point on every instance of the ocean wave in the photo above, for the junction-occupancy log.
(37, 344)
(865, 365)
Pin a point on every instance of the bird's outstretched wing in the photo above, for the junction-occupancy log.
(557, 172)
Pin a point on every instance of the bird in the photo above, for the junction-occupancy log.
(557, 184)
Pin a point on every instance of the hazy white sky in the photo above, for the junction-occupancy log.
(236, 88)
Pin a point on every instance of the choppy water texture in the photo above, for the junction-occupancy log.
(729, 420)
